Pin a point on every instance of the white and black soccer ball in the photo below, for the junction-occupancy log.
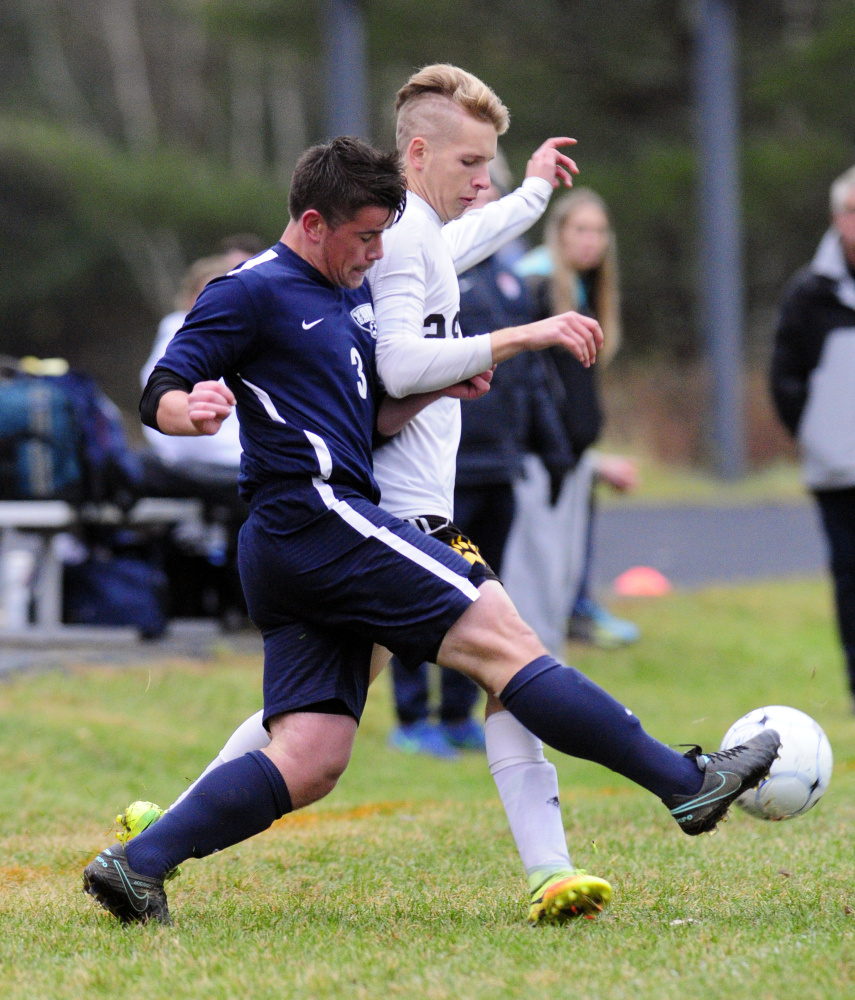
(802, 772)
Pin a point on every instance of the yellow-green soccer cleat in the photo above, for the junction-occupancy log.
(138, 817)
(568, 894)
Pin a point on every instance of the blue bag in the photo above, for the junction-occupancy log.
(62, 438)
(40, 440)
(112, 470)
(118, 590)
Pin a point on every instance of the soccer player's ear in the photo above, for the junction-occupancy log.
(417, 152)
(313, 224)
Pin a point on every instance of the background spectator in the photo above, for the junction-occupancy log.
(516, 416)
(201, 560)
(813, 385)
(550, 551)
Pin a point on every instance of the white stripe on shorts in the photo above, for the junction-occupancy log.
(400, 545)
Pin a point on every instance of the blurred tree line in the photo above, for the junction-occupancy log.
(134, 134)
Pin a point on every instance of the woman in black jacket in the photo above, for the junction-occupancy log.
(549, 554)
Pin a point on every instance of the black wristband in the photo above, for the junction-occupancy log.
(160, 381)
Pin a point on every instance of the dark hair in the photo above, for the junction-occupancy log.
(341, 177)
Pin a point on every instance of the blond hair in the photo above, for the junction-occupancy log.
(840, 190)
(425, 96)
(197, 275)
(564, 280)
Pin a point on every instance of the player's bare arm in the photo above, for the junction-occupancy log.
(199, 412)
(581, 335)
(395, 414)
(550, 164)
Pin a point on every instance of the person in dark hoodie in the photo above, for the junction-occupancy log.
(813, 387)
(516, 417)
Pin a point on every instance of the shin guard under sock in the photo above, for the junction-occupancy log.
(234, 802)
(572, 714)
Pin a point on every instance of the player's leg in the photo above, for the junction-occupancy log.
(250, 735)
(311, 669)
(528, 787)
(837, 508)
(311, 711)
(239, 799)
(527, 783)
(572, 714)
(307, 753)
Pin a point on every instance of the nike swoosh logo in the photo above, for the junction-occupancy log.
(308, 326)
(133, 895)
(713, 795)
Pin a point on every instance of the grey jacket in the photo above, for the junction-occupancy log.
(813, 366)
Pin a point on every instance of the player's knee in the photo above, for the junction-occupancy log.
(328, 772)
(311, 780)
(311, 752)
(499, 629)
(490, 639)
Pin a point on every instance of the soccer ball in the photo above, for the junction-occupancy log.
(800, 775)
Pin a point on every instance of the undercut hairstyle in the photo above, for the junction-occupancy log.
(339, 178)
(840, 190)
(422, 103)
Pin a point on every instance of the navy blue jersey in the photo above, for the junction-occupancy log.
(298, 353)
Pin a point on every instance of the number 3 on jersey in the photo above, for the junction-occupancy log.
(361, 381)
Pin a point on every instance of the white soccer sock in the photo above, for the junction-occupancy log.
(249, 735)
(528, 788)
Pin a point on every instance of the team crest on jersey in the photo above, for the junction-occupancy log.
(364, 316)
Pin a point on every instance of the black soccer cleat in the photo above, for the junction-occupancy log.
(129, 896)
(727, 774)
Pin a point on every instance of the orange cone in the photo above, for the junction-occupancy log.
(642, 581)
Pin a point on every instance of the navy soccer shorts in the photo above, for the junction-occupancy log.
(327, 574)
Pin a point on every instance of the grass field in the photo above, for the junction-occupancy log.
(661, 483)
(405, 882)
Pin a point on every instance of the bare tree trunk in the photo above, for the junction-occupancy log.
(130, 76)
(50, 67)
(155, 261)
(287, 119)
(200, 119)
(247, 111)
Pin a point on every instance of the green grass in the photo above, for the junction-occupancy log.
(674, 484)
(405, 883)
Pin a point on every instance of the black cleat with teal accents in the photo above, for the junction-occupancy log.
(727, 774)
(129, 896)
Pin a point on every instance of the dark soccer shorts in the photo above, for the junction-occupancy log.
(327, 574)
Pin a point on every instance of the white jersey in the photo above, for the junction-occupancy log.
(222, 448)
(420, 346)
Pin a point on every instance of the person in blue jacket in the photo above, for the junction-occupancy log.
(518, 416)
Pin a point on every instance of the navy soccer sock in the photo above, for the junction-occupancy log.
(572, 714)
(234, 802)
